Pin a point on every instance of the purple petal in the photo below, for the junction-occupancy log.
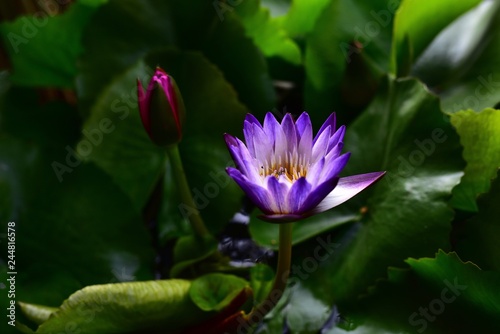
(337, 137)
(333, 168)
(252, 120)
(262, 144)
(248, 134)
(347, 188)
(302, 124)
(244, 162)
(234, 150)
(257, 194)
(305, 133)
(334, 153)
(270, 124)
(250, 164)
(278, 193)
(330, 121)
(314, 172)
(321, 145)
(290, 132)
(274, 131)
(318, 194)
(298, 194)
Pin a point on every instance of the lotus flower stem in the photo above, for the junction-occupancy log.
(195, 219)
(282, 273)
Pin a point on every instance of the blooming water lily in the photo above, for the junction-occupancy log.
(288, 173)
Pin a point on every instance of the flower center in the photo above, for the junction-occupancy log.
(292, 167)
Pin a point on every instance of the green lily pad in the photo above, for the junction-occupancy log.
(408, 25)
(470, 284)
(203, 150)
(477, 239)
(37, 313)
(404, 133)
(189, 251)
(114, 138)
(429, 296)
(479, 137)
(464, 73)
(214, 292)
(268, 234)
(136, 164)
(305, 313)
(127, 308)
(29, 38)
(445, 60)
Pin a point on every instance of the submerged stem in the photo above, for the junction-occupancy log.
(282, 273)
(186, 197)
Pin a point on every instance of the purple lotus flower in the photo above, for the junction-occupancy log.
(288, 174)
(162, 109)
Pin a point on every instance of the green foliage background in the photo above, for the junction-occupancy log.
(416, 82)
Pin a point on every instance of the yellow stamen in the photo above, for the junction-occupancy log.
(293, 167)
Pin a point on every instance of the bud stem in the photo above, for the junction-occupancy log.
(282, 273)
(186, 197)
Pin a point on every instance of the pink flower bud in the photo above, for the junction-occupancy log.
(162, 109)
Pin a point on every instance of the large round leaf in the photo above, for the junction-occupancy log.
(214, 292)
(135, 163)
(404, 133)
(268, 234)
(133, 307)
(114, 138)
